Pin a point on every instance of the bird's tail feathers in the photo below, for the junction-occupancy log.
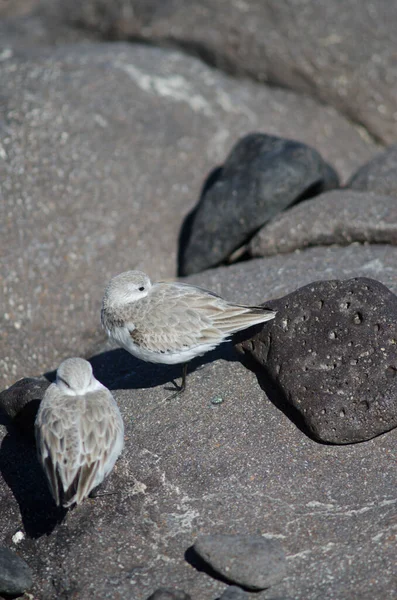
(243, 317)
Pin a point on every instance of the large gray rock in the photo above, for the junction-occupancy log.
(30, 23)
(15, 575)
(251, 561)
(104, 150)
(378, 175)
(192, 467)
(18, 8)
(331, 352)
(262, 176)
(341, 52)
(336, 217)
(262, 279)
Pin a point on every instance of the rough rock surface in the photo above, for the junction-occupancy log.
(28, 23)
(234, 593)
(262, 176)
(378, 175)
(19, 8)
(21, 401)
(332, 354)
(15, 575)
(252, 561)
(169, 594)
(336, 217)
(342, 53)
(192, 467)
(89, 177)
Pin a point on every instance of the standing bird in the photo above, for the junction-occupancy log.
(79, 432)
(171, 322)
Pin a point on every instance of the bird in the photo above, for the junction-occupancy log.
(171, 322)
(79, 432)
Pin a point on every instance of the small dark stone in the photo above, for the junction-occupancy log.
(169, 594)
(234, 593)
(262, 176)
(332, 352)
(15, 574)
(250, 560)
(378, 175)
(21, 401)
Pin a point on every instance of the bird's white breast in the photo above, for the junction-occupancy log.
(173, 357)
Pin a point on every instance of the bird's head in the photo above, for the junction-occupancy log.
(74, 376)
(126, 288)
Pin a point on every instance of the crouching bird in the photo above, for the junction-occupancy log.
(171, 322)
(79, 432)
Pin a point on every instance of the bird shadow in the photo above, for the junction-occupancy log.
(118, 369)
(23, 474)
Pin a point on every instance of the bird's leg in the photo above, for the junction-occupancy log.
(182, 386)
(183, 382)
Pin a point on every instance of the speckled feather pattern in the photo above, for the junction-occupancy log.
(79, 438)
(173, 316)
(176, 318)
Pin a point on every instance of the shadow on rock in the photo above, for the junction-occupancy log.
(23, 474)
(276, 395)
(117, 369)
(200, 565)
(186, 228)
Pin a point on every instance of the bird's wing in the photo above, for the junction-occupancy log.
(178, 316)
(101, 434)
(75, 439)
(57, 442)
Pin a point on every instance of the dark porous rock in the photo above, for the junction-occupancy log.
(262, 175)
(252, 561)
(336, 217)
(21, 401)
(15, 574)
(169, 594)
(331, 350)
(378, 175)
(234, 593)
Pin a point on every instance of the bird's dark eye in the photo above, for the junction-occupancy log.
(141, 289)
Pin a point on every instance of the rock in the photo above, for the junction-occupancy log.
(345, 57)
(21, 401)
(336, 217)
(250, 560)
(190, 467)
(169, 594)
(138, 125)
(234, 593)
(378, 175)
(262, 279)
(332, 354)
(18, 8)
(23, 392)
(25, 24)
(262, 175)
(15, 575)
